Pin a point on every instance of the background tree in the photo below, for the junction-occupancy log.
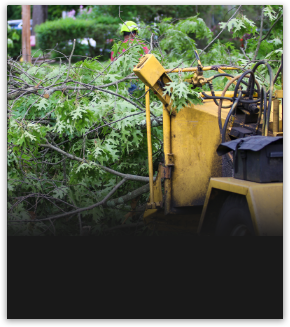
(14, 12)
(53, 12)
(39, 16)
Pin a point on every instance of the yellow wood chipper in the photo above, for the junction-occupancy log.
(191, 191)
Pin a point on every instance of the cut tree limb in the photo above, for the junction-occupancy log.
(109, 170)
(128, 197)
(79, 210)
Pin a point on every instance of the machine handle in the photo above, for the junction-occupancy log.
(196, 55)
(199, 65)
(276, 154)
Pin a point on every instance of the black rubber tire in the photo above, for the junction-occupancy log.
(234, 218)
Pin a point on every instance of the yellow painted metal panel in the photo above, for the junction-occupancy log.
(265, 201)
(167, 150)
(280, 117)
(195, 137)
(231, 184)
(149, 70)
(279, 94)
(152, 74)
(211, 108)
(149, 142)
(158, 197)
(266, 207)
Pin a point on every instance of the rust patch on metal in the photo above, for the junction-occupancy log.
(170, 159)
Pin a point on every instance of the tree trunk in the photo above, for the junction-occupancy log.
(208, 17)
(39, 16)
(26, 49)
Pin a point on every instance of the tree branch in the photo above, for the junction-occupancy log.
(264, 38)
(244, 53)
(109, 170)
(114, 189)
(69, 60)
(261, 34)
(128, 197)
(218, 34)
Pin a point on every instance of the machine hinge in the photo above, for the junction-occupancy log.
(166, 172)
(170, 159)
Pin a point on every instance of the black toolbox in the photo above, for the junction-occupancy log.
(257, 158)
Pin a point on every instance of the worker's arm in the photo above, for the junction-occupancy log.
(146, 49)
(112, 57)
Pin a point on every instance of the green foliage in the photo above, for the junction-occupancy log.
(55, 12)
(182, 94)
(13, 42)
(271, 13)
(70, 119)
(64, 31)
(270, 48)
(91, 116)
(95, 13)
(13, 12)
(150, 13)
(174, 37)
(241, 26)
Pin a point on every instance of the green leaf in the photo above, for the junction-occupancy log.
(60, 192)
(275, 41)
(234, 23)
(78, 113)
(270, 13)
(181, 90)
(32, 138)
(42, 104)
(9, 43)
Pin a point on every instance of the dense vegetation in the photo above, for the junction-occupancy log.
(77, 145)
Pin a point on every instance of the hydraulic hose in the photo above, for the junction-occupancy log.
(212, 93)
(250, 88)
(226, 75)
(278, 72)
(223, 131)
(222, 75)
(229, 115)
(263, 104)
(229, 83)
(217, 98)
(213, 97)
(270, 91)
(228, 155)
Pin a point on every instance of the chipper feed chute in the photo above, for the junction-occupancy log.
(180, 196)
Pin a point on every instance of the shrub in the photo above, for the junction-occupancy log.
(14, 43)
(63, 31)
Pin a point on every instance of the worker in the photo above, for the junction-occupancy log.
(129, 30)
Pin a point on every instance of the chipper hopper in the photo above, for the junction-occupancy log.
(207, 185)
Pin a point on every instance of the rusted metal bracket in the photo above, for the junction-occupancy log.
(170, 159)
(166, 172)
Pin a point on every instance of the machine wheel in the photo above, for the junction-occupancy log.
(235, 218)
